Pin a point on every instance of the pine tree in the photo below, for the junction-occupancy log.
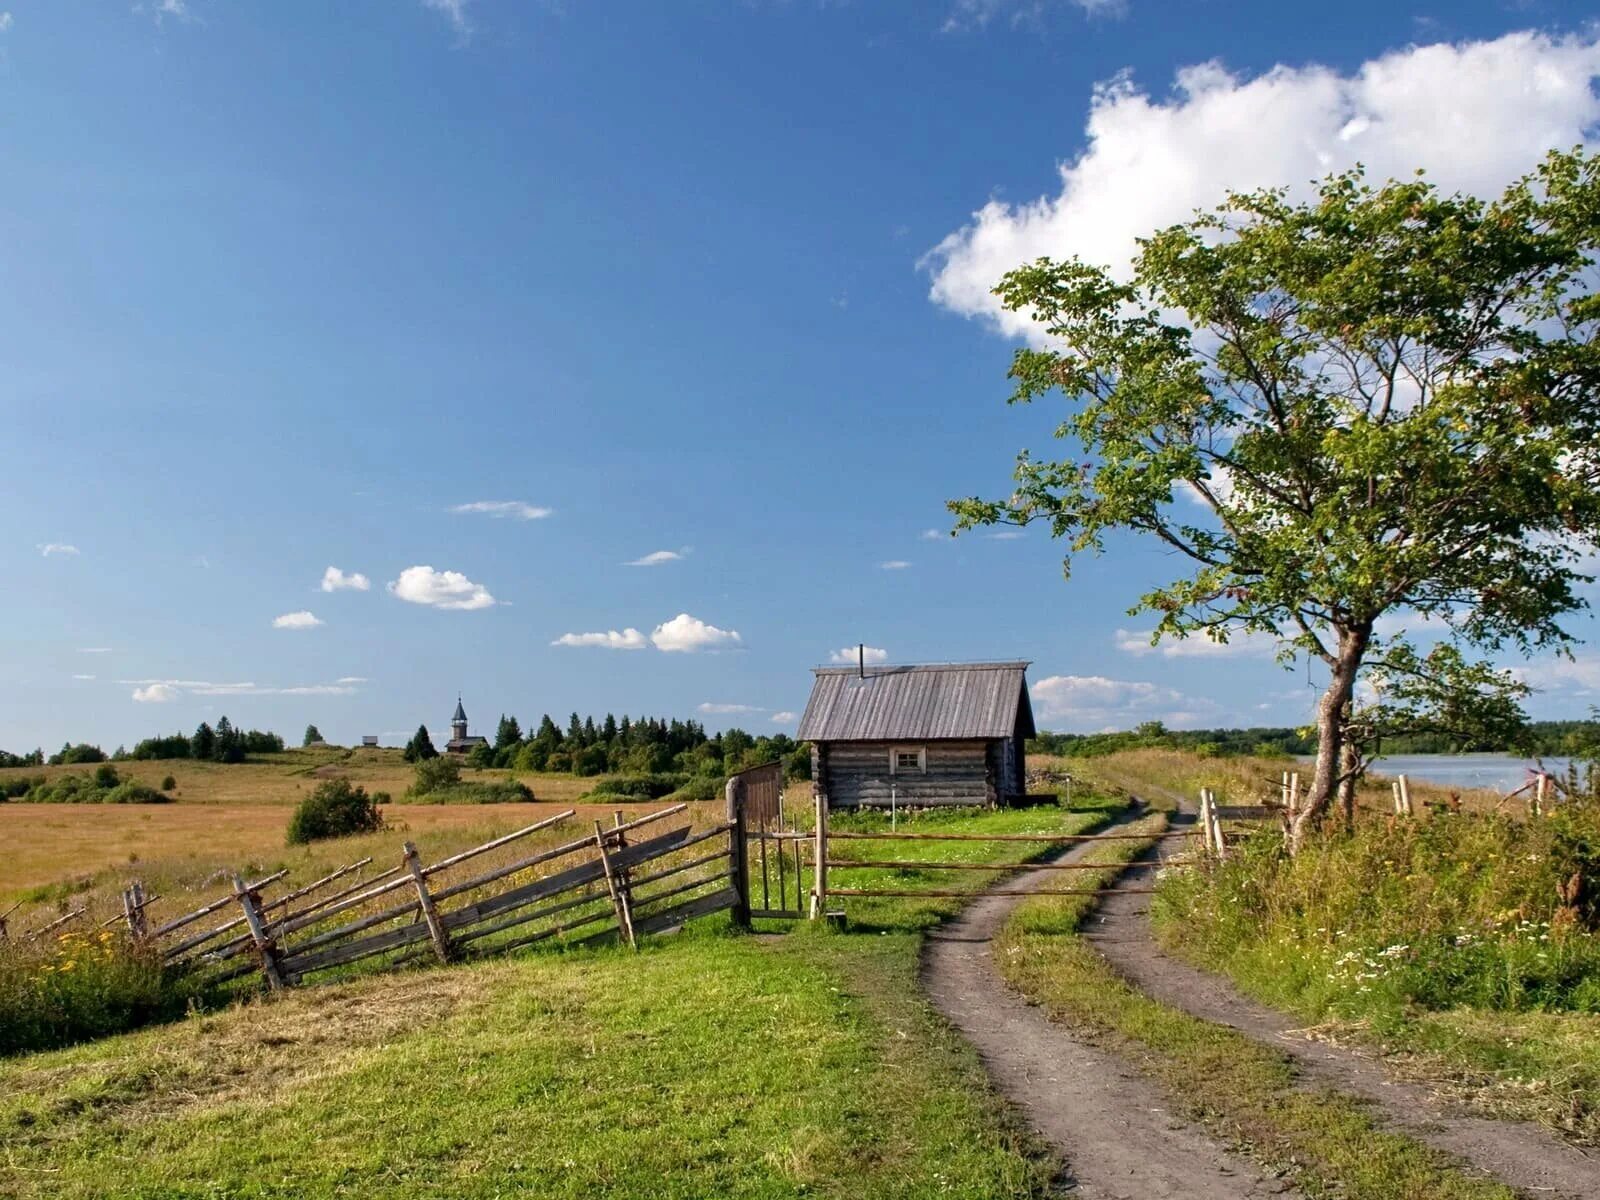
(312, 737)
(508, 733)
(203, 744)
(420, 747)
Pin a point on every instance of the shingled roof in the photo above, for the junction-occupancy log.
(918, 703)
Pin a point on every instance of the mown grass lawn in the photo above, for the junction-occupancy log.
(710, 1064)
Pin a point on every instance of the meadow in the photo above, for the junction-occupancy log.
(712, 1063)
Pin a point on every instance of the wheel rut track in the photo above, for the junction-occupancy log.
(1118, 1132)
(1526, 1156)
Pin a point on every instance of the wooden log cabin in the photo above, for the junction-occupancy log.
(919, 735)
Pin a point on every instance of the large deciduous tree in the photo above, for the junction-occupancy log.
(1380, 406)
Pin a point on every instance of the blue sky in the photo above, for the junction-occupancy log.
(289, 286)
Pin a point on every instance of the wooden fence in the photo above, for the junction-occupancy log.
(624, 881)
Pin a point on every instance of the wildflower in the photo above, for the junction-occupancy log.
(68, 965)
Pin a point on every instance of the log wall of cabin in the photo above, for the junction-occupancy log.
(858, 775)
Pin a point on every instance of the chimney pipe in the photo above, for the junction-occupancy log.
(861, 658)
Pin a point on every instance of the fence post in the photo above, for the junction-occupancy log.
(738, 851)
(258, 934)
(1405, 795)
(1294, 792)
(819, 868)
(133, 910)
(430, 914)
(619, 898)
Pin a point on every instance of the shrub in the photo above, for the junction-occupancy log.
(701, 787)
(105, 776)
(432, 774)
(131, 792)
(648, 787)
(334, 809)
(17, 788)
(168, 783)
(507, 791)
(591, 760)
(80, 753)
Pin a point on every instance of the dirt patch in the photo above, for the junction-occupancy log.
(1120, 1136)
(1525, 1156)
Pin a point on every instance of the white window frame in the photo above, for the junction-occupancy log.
(922, 760)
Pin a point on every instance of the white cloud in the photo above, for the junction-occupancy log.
(94, 649)
(894, 564)
(345, 679)
(159, 10)
(1474, 114)
(933, 535)
(296, 620)
(656, 558)
(784, 718)
(83, 676)
(1580, 674)
(966, 15)
(1004, 535)
(335, 580)
(1196, 645)
(170, 689)
(627, 639)
(454, 11)
(156, 693)
(685, 634)
(504, 508)
(440, 589)
(728, 709)
(1096, 702)
(872, 654)
(51, 549)
(5, 21)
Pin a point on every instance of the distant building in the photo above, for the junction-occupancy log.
(460, 741)
(919, 735)
(369, 739)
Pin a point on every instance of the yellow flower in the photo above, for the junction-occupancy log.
(68, 965)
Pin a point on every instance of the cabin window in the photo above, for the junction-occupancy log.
(908, 760)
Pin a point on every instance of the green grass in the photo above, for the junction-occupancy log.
(710, 1064)
(1244, 1091)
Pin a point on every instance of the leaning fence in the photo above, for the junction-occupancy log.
(623, 881)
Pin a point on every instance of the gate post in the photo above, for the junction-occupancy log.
(738, 851)
(819, 867)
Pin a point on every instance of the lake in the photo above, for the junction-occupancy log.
(1498, 772)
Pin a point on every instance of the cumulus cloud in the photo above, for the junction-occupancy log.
(784, 718)
(155, 693)
(504, 508)
(894, 564)
(440, 589)
(873, 654)
(1579, 675)
(685, 634)
(656, 558)
(1096, 702)
(5, 21)
(297, 620)
(58, 549)
(83, 676)
(627, 639)
(1474, 114)
(723, 710)
(335, 580)
(1197, 645)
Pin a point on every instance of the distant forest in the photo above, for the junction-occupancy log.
(1577, 739)
(224, 744)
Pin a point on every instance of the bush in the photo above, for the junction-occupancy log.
(168, 784)
(83, 985)
(81, 753)
(701, 787)
(432, 774)
(105, 776)
(130, 792)
(500, 792)
(17, 788)
(334, 809)
(648, 787)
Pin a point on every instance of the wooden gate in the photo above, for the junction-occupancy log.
(767, 845)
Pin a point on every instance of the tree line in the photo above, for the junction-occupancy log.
(225, 744)
(629, 746)
(1574, 739)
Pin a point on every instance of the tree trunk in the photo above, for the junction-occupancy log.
(1330, 735)
(1349, 765)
